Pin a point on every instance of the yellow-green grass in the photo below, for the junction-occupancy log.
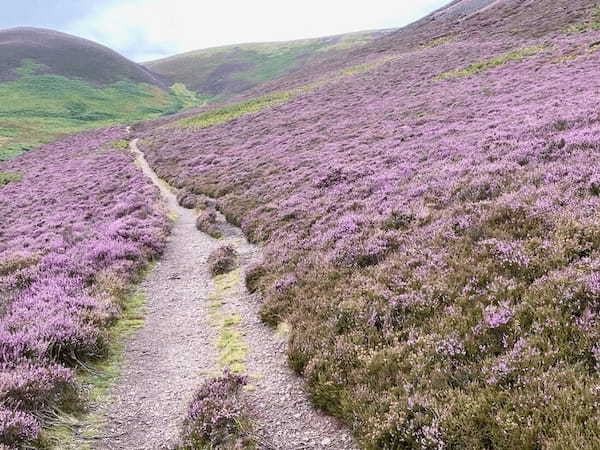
(38, 109)
(482, 66)
(235, 110)
(9, 177)
(230, 342)
(365, 67)
(232, 350)
(120, 144)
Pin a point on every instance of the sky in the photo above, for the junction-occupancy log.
(145, 30)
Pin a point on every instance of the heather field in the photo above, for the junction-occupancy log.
(78, 223)
(430, 225)
(408, 220)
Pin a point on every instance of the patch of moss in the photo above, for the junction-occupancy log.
(230, 343)
(232, 350)
(232, 321)
(227, 282)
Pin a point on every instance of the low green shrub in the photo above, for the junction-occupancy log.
(9, 177)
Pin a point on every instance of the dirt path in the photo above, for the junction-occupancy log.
(282, 409)
(188, 314)
(165, 360)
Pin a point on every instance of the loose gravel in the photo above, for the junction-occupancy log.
(175, 351)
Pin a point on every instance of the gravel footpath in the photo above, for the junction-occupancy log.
(168, 358)
(164, 361)
(282, 409)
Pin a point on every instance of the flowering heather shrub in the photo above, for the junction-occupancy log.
(434, 244)
(207, 223)
(33, 387)
(253, 275)
(222, 260)
(81, 215)
(188, 199)
(217, 416)
(16, 426)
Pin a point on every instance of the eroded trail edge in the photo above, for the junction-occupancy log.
(187, 315)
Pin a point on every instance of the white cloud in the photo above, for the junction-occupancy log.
(152, 28)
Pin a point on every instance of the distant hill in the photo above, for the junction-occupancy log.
(53, 84)
(218, 73)
(69, 56)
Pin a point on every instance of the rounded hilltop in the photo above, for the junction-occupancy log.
(57, 53)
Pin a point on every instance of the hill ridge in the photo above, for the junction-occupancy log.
(69, 55)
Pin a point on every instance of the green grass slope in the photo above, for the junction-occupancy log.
(37, 109)
(63, 84)
(218, 73)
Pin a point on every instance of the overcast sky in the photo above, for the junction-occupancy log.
(151, 29)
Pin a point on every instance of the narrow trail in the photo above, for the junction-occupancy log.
(177, 349)
(164, 361)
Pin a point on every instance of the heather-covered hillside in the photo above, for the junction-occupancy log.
(219, 73)
(68, 56)
(429, 206)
